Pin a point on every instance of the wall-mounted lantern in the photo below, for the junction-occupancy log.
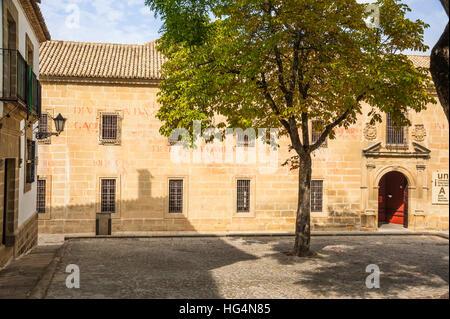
(60, 123)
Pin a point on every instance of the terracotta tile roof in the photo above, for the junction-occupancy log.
(77, 60)
(100, 61)
(420, 60)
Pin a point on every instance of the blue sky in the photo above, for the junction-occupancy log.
(129, 21)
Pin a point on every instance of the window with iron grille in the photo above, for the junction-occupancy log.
(43, 124)
(394, 136)
(243, 196)
(108, 195)
(315, 135)
(41, 196)
(175, 196)
(31, 161)
(109, 127)
(244, 140)
(316, 196)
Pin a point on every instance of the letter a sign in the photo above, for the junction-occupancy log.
(440, 188)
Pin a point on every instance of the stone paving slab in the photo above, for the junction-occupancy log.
(21, 276)
(254, 267)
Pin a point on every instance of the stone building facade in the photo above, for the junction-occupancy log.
(23, 29)
(112, 159)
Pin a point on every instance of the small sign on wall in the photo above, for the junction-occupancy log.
(440, 188)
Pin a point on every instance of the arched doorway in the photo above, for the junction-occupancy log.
(393, 199)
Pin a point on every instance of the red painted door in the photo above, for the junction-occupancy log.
(393, 199)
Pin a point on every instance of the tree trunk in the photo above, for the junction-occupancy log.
(439, 67)
(303, 223)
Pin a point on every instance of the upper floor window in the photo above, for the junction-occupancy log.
(110, 128)
(316, 133)
(29, 51)
(395, 137)
(43, 124)
(244, 140)
(31, 161)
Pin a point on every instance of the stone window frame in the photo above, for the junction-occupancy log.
(10, 12)
(312, 141)
(185, 210)
(324, 212)
(28, 136)
(406, 132)
(253, 197)
(48, 140)
(29, 47)
(48, 197)
(322, 195)
(245, 140)
(98, 208)
(110, 142)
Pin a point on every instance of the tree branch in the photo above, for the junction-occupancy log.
(273, 105)
(331, 126)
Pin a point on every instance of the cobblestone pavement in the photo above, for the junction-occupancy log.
(18, 279)
(411, 267)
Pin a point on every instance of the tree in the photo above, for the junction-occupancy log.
(283, 64)
(440, 64)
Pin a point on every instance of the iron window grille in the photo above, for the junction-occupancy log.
(244, 140)
(108, 196)
(243, 196)
(44, 128)
(315, 135)
(175, 196)
(316, 196)
(110, 127)
(43, 124)
(41, 196)
(395, 137)
(31, 161)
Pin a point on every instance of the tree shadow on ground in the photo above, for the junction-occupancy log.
(145, 268)
(339, 270)
(141, 267)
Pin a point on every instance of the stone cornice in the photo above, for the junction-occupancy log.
(36, 19)
(99, 81)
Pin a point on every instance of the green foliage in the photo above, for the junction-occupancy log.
(283, 63)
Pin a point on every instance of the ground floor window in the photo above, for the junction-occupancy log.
(41, 195)
(108, 196)
(316, 196)
(175, 196)
(31, 161)
(243, 196)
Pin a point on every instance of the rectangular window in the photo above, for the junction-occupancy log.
(316, 196)
(315, 135)
(243, 140)
(243, 196)
(394, 136)
(110, 127)
(41, 196)
(176, 196)
(43, 124)
(108, 196)
(31, 161)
